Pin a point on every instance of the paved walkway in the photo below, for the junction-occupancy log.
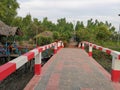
(72, 69)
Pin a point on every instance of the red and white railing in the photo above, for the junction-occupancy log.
(115, 73)
(12, 66)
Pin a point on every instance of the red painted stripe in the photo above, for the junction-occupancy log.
(37, 69)
(6, 70)
(53, 82)
(108, 51)
(119, 57)
(55, 51)
(82, 47)
(100, 48)
(49, 46)
(35, 80)
(115, 75)
(45, 47)
(40, 49)
(90, 44)
(95, 46)
(30, 55)
(90, 54)
(59, 48)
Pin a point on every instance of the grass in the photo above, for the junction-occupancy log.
(102, 58)
(109, 44)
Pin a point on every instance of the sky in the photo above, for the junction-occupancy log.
(72, 10)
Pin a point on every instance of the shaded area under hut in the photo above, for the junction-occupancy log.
(7, 46)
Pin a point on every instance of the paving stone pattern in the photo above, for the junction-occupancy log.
(73, 69)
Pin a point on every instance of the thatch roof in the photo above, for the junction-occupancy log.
(6, 30)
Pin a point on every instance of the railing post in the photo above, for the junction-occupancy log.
(55, 48)
(90, 50)
(115, 73)
(79, 45)
(59, 44)
(82, 45)
(62, 45)
(37, 64)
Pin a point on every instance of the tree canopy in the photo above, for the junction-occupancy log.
(62, 30)
(8, 10)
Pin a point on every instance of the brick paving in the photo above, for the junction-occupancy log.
(72, 69)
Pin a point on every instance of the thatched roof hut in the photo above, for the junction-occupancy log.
(6, 30)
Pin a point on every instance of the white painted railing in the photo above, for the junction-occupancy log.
(115, 73)
(12, 66)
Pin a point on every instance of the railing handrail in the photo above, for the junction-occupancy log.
(115, 73)
(11, 66)
(103, 49)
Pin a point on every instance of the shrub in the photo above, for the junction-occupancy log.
(44, 40)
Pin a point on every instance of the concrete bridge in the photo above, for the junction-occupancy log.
(68, 69)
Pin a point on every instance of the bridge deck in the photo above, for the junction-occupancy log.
(72, 69)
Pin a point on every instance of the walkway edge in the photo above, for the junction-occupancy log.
(36, 78)
(105, 73)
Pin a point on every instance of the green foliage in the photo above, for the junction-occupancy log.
(65, 29)
(8, 10)
(95, 31)
(103, 33)
(26, 27)
(103, 59)
(44, 40)
(65, 36)
(82, 35)
(79, 25)
(56, 35)
(48, 25)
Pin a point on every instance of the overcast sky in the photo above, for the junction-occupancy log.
(72, 10)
